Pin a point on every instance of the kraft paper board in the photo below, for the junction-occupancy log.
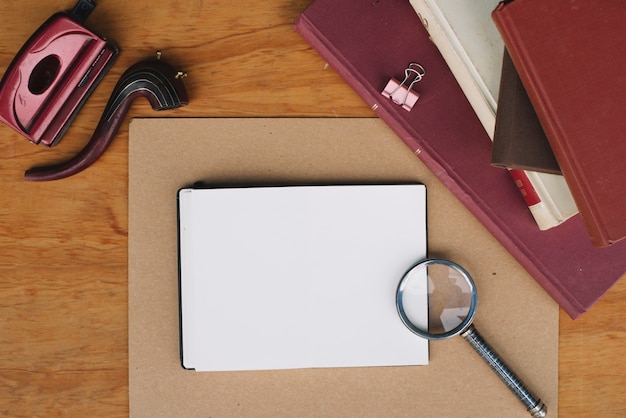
(514, 314)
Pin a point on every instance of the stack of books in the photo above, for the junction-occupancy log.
(582, 114)
(451, 124)
(473, 49)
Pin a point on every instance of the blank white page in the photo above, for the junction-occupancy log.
(298, 276)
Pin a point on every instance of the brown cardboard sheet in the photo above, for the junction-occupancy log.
(514, 314)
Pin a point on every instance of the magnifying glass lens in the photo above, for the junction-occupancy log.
(446, 289)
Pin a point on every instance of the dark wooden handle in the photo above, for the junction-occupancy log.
(154, 80)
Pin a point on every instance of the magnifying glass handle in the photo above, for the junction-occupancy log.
(535, 407)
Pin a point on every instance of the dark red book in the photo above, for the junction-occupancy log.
(518, 139)
(369, 42)
(571, 58)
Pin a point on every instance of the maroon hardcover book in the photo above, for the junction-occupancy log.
(370, 42)
(571, 58)
(518, 139)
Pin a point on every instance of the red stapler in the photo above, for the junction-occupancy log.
(53, 75)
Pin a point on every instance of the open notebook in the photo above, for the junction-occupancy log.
(298, 276)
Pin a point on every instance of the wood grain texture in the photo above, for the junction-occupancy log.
(63, 245)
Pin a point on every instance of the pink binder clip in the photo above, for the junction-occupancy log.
(402, 93)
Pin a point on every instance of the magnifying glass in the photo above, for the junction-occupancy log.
(452, 300)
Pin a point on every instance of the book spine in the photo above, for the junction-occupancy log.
(524, 65)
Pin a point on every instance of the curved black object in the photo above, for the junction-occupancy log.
(153, 79)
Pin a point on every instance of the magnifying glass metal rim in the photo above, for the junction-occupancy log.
(456, 330)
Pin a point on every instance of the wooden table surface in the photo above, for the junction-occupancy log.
(63, 244)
